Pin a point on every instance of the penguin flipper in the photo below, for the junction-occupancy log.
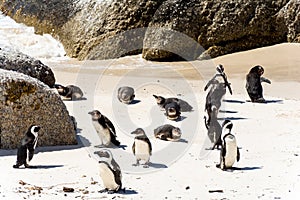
(110, 125)
(238, 155)
(133, 148)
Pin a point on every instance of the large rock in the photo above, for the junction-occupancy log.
(19, 62)
(220, 27)
(179, 28)
(25, 101)
(87, 29)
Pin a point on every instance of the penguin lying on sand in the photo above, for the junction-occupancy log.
(229, 151)
(162, 102)
(26, 150)
(167, 132)
(126, 94)
(110, 172)
(105, 129)
(70, 91)
(141, 147)
(173, 111)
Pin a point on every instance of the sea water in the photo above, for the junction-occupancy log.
(22, 38)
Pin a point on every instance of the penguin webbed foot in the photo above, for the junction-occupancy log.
(16, 166)
(136, 164)
(111, 191)
(146, 166)
(102, 191)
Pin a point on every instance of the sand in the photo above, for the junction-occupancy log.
(267, 134)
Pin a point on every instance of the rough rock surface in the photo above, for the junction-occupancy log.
(19, 62)
(87, 28)
(91, 29)
(25, 101)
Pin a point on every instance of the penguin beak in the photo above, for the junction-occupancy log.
(90, 113)
(155, 96)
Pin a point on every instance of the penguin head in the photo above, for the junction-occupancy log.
(105, 155)
(257, 70)
(220, 69)
(95, 114)
(159, 99)
(227, 124)
(139, 132)
(176, 133)
(61, 89)
(33, 129)
(31, 135)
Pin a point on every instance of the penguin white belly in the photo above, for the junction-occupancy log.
(108, 177)
(103, 133)
(231, 152)
(142, 150)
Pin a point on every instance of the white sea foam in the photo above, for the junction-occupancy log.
(22, 38)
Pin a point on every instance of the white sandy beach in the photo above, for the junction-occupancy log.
(267, 134)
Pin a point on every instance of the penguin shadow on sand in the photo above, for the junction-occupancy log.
(232, 169)
(111, 146)
(231, 118)
(279, 101)
(157, 165)
(233, 101)
(135, 101)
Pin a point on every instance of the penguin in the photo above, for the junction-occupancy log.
(214, 129)
(162, 102)
(70, 91)
(218, 85)
(229, 151)
(105, 129)
(253, 84)
(26, 150)
(141, 148)
(167, 132)
(173, 111)
(126, 94)
(110, 172)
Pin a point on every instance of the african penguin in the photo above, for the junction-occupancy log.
(214, 129)
(141, 147)
(126, 94)
(173, 111)
(162, 102)
(104, 128)
(167, 132)
(70, 91)
(26, 150)
(253, 84)
(110, 172)
(229, 151)
(217, 91)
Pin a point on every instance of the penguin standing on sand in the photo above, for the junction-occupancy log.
(167, 132)
(218, 85)
(141, 147)
(110, 172)
(70, 91)
(173, 111)
(105, 129)
(253, 84)
(126, 94)
(162, 102)
(229, 151)
(26, 150)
